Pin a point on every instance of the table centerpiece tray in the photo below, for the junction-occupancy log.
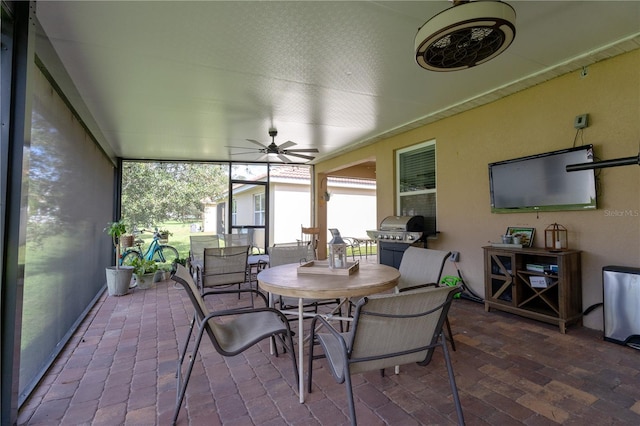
(320, 267)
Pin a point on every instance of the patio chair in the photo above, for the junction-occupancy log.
(223, 266)
(298, 254)
(309, 236)
(196, 250)
(251, 236)
(354, 245)
(387, 330)
(231, 240)
(421, 267)
(238, 331)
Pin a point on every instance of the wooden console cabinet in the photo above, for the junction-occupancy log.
(534, 283)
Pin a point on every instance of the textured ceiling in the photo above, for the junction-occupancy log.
(188, 80)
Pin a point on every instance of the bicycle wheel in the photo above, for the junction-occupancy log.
(129, 255)
(165, 254)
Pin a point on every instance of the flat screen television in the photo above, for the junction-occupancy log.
(541, 183)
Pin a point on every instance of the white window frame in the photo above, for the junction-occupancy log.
(417, 191)
(234, 211)
(259, 209)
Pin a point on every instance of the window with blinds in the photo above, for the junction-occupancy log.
(416, 182)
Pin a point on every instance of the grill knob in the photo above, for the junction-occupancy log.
(409, 237)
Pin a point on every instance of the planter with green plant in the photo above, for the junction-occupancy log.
(118, 277)
(144, 271)
(181, 260)
(163, 273)
(164, 235)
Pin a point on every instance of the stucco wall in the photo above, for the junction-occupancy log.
(291, 202)
(351, 211)
(535, 120)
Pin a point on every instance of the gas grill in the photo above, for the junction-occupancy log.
(399, 229)
(396, 234)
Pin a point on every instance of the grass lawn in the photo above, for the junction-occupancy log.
(182, 231)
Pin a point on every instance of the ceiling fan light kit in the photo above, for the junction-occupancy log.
(465, 35)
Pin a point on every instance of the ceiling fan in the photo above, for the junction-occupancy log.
(282, 151)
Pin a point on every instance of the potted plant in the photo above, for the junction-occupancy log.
(144, 271)
(163, 273)
(164, 234)
(118, 277)
(182, 261)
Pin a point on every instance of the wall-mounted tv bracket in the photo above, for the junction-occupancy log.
(627, 161)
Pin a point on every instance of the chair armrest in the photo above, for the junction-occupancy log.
(198, 270)
(236, 291)
(335, 348)
(231, 312)
(325, 324)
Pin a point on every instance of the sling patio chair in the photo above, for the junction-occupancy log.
(388, 330)
(235, 240)
(223, 266)
(354, 246)
(231, 332)
(298, 254)
(309, 236)
(422, 267)
(198, 243)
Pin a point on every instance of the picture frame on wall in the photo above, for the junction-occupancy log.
(526, 235)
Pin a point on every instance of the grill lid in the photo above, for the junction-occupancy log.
(403, 223)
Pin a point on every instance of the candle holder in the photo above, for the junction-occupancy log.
(555, 238)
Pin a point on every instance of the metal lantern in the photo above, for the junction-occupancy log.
(337, 253)
(555, 237)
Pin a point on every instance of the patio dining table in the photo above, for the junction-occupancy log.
(284, 280)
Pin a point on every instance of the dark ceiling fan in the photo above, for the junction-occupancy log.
(282, 151)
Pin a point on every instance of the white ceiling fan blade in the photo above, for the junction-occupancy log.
(257, 143)
(287, 144)
(284, 159)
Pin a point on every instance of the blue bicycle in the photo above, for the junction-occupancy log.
(160, 253)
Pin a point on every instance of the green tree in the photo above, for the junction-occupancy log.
(156, 192)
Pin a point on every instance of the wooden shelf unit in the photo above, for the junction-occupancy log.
(509, 287)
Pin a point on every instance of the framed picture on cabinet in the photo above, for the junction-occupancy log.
(525, 234)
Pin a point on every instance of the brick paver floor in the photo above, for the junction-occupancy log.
(119, 369)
